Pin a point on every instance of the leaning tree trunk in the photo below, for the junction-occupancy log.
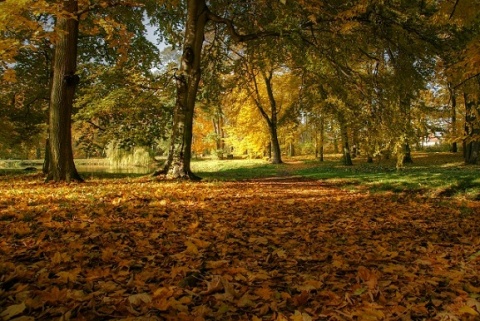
(187, 79)
(62, 167)
(273, 120)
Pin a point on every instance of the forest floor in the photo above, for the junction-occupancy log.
(292, 246)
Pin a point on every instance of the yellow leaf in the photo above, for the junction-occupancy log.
(191, 248)
(280, 253)
(164, 292)
(108, 254)
(216, 264)
(468, 310)
(60, 257)
(13, 310)
(310, 285)
(10, 76)
(246, 301)
(259, 240)
(281, 317)
(200, 243)
(169, 225)
(68, 276)
(298, 316)
(264, 293)
(139, 298)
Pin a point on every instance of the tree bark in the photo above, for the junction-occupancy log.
(453, 99)
(471, 142)
(272, 124)
(347, 158)
(62, 166)
(187, 80)
(322, 139)
(46, 160)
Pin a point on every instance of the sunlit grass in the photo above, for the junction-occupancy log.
(432, 174)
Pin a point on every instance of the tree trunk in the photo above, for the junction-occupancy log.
(46, 160)
(276, 153)
(187, 80)
(322, 139)
(272, 124)
(347, 158)
(335, 143)
(404, 155)
(62, 166)
(453, 98)
(407, 157)
(471, 142)
(291, 149)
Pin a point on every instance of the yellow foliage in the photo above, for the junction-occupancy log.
(202, 130)
(247, 130)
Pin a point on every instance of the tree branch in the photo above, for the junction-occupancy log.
(239, 37)
(453, 10)
(95, 125)
(465, 80)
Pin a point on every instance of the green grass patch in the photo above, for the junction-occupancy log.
(433, 174)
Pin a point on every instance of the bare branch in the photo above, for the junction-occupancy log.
(453, 10)
(465, 80)
(95, 125)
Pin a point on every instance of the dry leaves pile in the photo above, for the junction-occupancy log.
(259, 250)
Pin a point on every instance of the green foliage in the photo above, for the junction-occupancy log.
(134, 157)
(121, 106)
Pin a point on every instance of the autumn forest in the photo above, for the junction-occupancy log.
(273, 160)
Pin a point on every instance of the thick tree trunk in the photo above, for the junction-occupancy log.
(187, 80)
(471, 149)
(62, 167)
